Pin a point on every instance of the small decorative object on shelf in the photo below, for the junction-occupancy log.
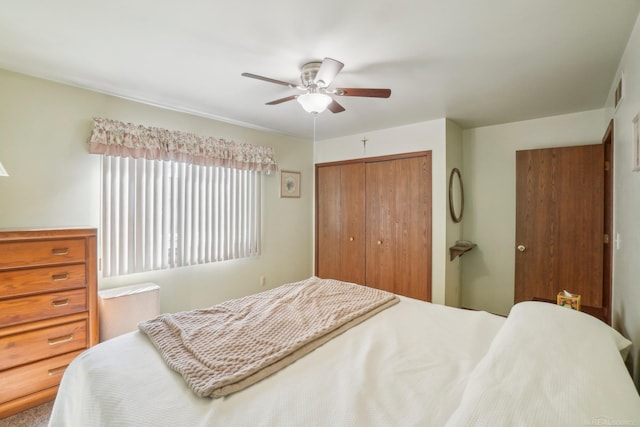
(569, 300)
(460, 248)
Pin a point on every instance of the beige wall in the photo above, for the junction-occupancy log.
(489, 178)
(424, 136)
(453, 268)
(626, 268)
(54, 181)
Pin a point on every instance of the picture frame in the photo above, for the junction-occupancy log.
(618, 95)
(289, 184)
(636, 143)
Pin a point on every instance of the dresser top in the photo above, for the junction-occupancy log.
(45, 232)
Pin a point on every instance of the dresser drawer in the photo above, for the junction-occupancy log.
(15, 283)
(27, 347)
(26, 309)
(27, 379)
(41, 252)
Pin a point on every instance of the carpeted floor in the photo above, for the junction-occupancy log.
(34, 417)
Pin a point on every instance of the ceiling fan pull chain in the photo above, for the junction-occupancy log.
(314, 129)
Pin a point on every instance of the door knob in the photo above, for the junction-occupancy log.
(379, 242)
(351, 239)
(521, 248)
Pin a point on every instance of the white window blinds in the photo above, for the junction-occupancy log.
(162, 214)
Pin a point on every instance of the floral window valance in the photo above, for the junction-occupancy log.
(114, 138)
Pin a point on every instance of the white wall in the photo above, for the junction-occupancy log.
(626, 268)
(406, 139)
(489, 178)
(54, 181)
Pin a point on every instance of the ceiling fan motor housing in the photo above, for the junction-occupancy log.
(308, 74)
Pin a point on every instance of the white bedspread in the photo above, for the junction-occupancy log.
(406, 366)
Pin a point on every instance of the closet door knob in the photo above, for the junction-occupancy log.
(351, 239)
(379, 242)
(521, 248)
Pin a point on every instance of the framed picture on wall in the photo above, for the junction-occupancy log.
(289, 184)
(636, 143)
(619, 93)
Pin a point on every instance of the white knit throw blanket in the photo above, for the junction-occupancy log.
(225, 348)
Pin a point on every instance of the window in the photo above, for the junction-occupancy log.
(174, 198)
(160, 214)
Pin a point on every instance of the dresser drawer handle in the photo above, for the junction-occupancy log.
(60, 302)
(59, 277)
(60, 340)
(57, 371)
(59, 251)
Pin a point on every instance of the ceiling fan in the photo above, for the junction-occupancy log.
(316, 77)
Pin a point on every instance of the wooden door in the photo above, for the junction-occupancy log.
(340, 199)
(607, 142)
(559, 224)
(398, 210)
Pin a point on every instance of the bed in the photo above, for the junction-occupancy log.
(412, 363)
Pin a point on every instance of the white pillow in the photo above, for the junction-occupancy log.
(624, 345)
(589, 322)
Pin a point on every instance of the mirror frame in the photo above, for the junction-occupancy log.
(456, 216)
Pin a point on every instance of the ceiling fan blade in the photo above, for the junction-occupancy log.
(281, 100)
(328, 71)
(371, 93)
(267, 79)
(334, 107)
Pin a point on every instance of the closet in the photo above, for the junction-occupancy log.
(373, 223)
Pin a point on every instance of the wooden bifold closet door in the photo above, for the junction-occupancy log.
(373, 223)
(339, 226)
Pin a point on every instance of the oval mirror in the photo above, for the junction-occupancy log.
(456, 195)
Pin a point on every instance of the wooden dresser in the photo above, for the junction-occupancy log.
(48, 310)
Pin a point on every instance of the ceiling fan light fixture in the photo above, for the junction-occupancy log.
(314, 102)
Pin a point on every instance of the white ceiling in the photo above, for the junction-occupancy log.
(478, 62)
